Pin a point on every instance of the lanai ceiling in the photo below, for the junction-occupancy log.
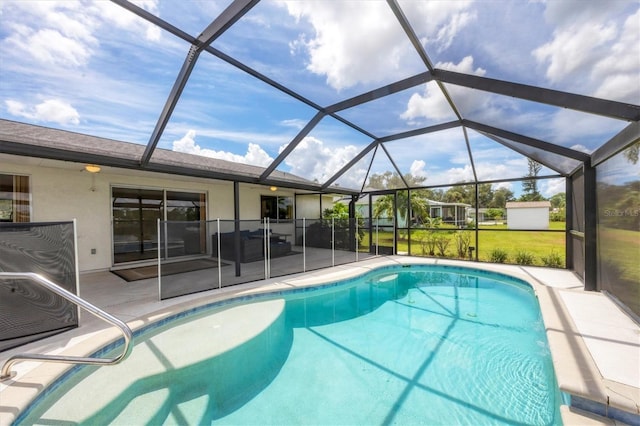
(334, 91)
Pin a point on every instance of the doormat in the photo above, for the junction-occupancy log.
(145, 272)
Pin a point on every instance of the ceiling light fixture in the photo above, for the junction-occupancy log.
(92, 168)
(274, 188)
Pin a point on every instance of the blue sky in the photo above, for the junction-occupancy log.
(93, 67)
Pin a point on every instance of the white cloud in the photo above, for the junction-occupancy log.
(580, 147)
(619, 71)
(312, 159)
(431, 104)
(52, 47)
(255, 155)
(568, 12)
(122, 18)
(417, 168)
(63, 32)
(447, 33)
(449, 176)
(434, 106)
(550, 187)
(295, 123)
(438, 21)
(573, 48)
(348, 37)
(590, 40)
(495, 171)
(571, 126)
(505, 185)
(51, 110)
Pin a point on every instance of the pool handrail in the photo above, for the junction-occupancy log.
(6, 373)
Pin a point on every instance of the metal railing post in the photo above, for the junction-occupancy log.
(333, 243)
(6, 373)
(219, 256)
(160, 259)
(356, 236)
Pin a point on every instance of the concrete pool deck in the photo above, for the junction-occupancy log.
(595, 345)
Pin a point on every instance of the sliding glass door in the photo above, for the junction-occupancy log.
(135, 221)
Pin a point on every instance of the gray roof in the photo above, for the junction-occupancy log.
(43, 142)
(528, 204)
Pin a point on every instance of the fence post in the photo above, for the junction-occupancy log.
(377, 241)
(219, 257)
(304, 244)
(76, 265)
(333, 243)
(159, 261)
(356, 236)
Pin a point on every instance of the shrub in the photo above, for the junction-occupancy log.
(427, 243)
(462, 239)
(442, 242)
(431, 242)
(559, 216)
(552, 260)
(498, 256)
(524, 258)
(494, 214)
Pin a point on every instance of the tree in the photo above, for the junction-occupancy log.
(485, 194)
(500, 198)
(494, 214)
(338, 211)
(530, 186)
(558, 201)
(417, 206)
(392, 180)
(632, 152)
(384, 206)
(461, 194)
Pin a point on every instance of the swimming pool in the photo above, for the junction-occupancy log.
(427, 344)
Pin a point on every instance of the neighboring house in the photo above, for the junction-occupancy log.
(528, 214)
(451, 213)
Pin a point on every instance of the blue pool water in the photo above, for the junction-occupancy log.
(413, 345)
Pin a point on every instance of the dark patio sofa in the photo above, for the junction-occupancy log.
(251, 246)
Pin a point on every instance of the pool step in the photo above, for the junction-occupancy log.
(586, 411)
(572, 416)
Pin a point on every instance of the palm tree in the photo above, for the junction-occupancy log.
(384, 206)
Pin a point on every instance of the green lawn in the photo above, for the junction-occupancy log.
(537, 244)
(619, 266)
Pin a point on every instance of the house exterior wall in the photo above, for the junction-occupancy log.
(62, 191)
(528, 218)
(308, 207)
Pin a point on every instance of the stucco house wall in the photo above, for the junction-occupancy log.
(528, 215)
(63, 191)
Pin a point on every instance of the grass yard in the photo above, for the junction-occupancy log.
(538, 244)
(619, 267)
(533, 246)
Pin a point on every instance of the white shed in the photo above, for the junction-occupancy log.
(528, 214)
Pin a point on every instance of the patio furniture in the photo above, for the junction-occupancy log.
(251, 245)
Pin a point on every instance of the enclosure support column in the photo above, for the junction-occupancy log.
(568, 220)
(236, 223)
(371, 227)
(352, 219)
(477, 221)
(409, 220)
(590, 229)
